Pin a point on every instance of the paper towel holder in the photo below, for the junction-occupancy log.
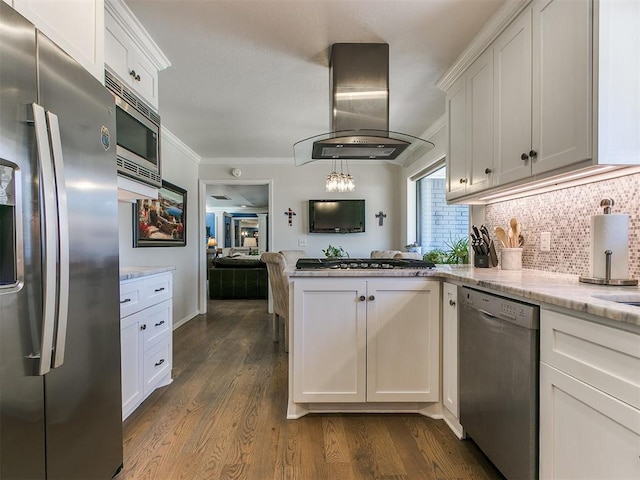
(607, 280)
(607, 203)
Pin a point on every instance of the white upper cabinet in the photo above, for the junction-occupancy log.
(562, 66)
(470, 110)
(131, 53)
(565, 93)
(77, 26)
(617, 40)
(512, 93)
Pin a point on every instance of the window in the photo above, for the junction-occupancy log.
(438, 225)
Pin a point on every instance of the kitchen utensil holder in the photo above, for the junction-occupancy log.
(511, 259)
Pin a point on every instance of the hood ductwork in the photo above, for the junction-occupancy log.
(359, 88)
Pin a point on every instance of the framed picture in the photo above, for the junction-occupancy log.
(161, 222)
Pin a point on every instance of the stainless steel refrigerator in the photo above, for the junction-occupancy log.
(60, 394)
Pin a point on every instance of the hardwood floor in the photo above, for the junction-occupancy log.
(223, 417)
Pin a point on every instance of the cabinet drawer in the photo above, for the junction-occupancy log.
(157, 365)
(158, 289)
(132, 297)
(601, 356)
(157, 324)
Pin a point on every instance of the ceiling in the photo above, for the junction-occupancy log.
(237, 197)
(250, 78)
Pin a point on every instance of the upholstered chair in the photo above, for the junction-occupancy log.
(291, 257)
(280, 291)
(384, 253)
(409, 255)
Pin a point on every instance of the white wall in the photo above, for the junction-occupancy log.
(294, 186)
(437, 134)
(180, 167)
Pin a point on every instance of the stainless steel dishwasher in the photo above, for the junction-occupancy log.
(498, 375)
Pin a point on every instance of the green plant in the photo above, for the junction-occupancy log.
(335, 252)
(457, 252)
(436, 256)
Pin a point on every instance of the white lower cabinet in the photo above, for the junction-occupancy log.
(145, 337)
(450, 357)
(589, 400)
(374, 340)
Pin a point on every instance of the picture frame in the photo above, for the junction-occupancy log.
(161, 222)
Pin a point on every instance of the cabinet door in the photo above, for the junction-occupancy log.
(157, 323)
(512, 93)
(457, 139)
(329, 346)
(450, 348)
(403, 320)
(128, 63)
(131, 357)
(585, 433)
(480, 123)
(562, 95)
(76, 26)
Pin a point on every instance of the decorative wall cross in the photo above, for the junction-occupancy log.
(381, 216)
(290, 213)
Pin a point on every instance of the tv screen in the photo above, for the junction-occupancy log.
(336, 216)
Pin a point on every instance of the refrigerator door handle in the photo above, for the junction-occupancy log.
(49, 221)
(63, 239)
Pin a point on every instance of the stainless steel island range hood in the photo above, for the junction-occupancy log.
(359, 101)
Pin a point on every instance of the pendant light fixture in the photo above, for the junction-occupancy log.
(340, 182)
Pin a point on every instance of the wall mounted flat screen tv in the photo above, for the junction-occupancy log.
(336, 216)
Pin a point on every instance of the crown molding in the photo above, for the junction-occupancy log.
(496, 24)
(132, 27)
(168, 136)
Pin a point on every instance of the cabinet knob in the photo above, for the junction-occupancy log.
(463, 180)
(487, 171)
(362, 298)
(135, 76)
(533, 153)
(524, 157)
(143, 327)
(372, 298)
(452, 303)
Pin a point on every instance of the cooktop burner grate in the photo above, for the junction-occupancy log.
(360, 263)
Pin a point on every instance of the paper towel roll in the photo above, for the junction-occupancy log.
(610, 232)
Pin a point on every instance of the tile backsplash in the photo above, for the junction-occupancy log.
(567, 215)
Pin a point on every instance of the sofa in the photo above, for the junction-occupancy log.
(239, 277)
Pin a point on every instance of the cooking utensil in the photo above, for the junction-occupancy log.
(514, 232)
(502, 236)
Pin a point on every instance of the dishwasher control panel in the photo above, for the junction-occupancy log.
(523, 314)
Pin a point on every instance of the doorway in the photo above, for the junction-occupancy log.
(232, 211)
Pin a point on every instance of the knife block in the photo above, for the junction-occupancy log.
(481, 261)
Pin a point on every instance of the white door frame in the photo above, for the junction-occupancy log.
(202, 253)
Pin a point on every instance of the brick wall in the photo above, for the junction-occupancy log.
(440, 224)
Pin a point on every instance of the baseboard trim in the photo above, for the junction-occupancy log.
(186, 319)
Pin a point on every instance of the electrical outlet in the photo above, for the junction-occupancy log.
(302, 242)
(545, 241)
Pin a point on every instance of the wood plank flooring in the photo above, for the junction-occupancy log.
(223, 417)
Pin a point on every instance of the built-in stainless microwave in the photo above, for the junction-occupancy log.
(137, 134)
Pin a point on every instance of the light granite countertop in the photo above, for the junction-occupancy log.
(535, 286)
(129, 273)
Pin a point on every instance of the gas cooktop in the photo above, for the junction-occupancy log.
(360, 263)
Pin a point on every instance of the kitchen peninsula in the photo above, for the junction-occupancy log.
(369, 341)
